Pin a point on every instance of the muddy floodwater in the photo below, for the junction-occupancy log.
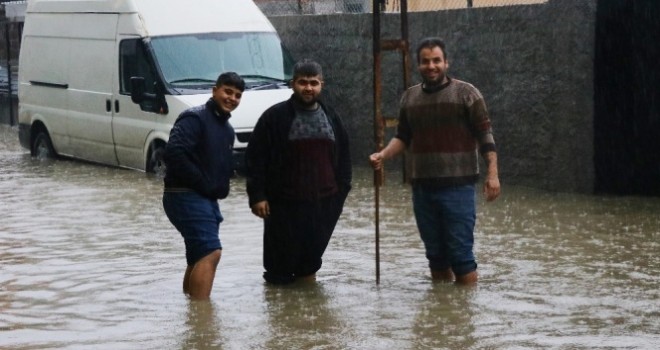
(88, 260)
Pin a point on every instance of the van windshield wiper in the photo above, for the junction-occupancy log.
(263, 82)
(192, 80)
(262, 77)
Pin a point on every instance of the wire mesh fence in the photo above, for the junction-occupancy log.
(308, 7)
(11, 27)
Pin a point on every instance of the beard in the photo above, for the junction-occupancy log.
(303, 102)
(434, 82)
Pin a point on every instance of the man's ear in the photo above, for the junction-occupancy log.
(290, 83)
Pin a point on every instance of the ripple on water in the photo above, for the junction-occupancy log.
(89, 260)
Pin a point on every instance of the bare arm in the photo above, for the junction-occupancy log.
(492, 181)
(394, 148)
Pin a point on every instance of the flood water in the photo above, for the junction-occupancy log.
(88, 260)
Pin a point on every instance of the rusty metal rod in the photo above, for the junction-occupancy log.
(378, 127)
(379, 122)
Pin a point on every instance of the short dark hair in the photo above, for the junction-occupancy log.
(231, 79)
(430, 43)
(307, 68)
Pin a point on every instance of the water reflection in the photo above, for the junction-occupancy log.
(444, 318)
(300, 317)
(203, 327)
(89, 260)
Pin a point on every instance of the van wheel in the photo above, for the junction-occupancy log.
(42, 146)
(156, 163)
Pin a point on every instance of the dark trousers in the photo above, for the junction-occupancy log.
(296, 235)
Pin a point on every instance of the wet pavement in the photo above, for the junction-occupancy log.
(89, 260)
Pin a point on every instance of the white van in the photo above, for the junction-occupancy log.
(104, 80)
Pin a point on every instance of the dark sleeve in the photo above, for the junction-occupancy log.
(181, 158)
(482, 125)
(344, 166)
(403, 131)
(256, 160)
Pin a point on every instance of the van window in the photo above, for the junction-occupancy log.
(134, 63)
(195, 61)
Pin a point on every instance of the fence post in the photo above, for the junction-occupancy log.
(9, 90)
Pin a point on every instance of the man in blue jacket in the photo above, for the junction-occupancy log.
(298, 176)
(198, 159)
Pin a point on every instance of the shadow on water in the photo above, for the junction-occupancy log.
(89, 260)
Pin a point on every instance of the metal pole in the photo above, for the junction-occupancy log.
(405, 46)
(405, 55)
(378, 126)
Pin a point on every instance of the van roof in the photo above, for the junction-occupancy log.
(168, 17)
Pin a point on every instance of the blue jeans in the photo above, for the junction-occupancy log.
(198, 220)
(445, 219)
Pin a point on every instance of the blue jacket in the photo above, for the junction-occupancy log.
(198, 155)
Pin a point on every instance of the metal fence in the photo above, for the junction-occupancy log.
(305, 7)
(11, 27)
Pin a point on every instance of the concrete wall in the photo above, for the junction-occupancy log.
(532, 63)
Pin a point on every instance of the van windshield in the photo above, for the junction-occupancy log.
(194, 61)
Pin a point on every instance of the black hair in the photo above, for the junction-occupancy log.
(231, 79)
(430, 43)
(307, 68)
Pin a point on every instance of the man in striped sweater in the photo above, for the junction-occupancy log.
(444, 124)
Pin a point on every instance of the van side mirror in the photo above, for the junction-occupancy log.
(137, 89)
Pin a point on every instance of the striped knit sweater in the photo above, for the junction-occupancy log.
(444, 131)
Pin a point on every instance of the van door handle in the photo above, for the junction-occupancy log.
(108, 105)
(116, 106)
